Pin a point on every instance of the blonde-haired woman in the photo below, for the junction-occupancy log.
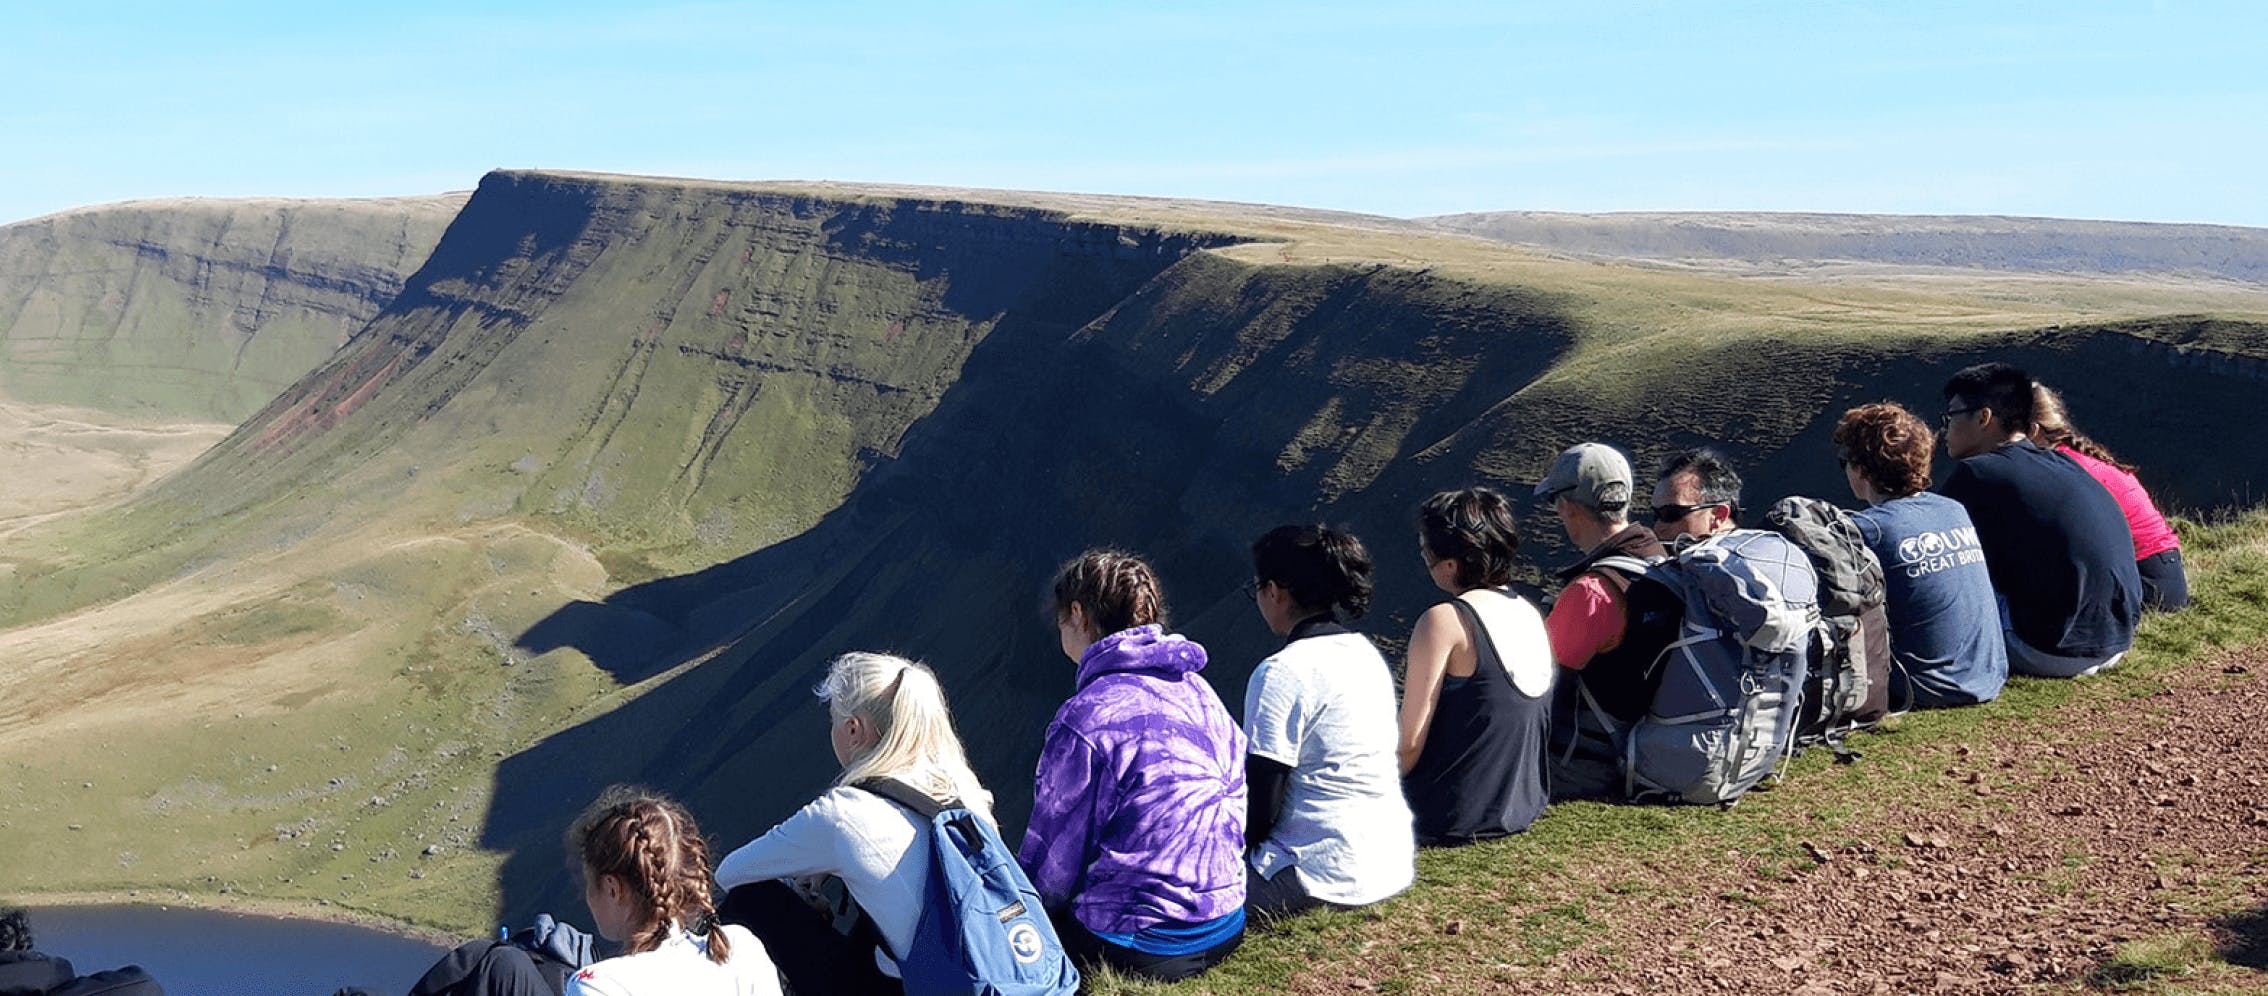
(887, 719)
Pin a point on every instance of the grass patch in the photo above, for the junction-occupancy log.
(2146, 964)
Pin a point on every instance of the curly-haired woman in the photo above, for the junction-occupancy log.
(1944, 625)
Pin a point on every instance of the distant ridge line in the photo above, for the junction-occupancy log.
(1785, 239)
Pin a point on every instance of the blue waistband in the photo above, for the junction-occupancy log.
(1171, 939)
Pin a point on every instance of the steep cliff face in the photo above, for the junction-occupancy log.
(681, 370)
(198, 309)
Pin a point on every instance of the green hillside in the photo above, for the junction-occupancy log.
(596, 495)
(197, 309)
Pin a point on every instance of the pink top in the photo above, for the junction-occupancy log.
(1586, 621)
(2151, 534)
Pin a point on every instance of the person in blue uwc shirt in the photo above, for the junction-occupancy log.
(1944, 624)
(2056, 543)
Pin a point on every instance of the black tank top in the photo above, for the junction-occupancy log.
(1482, 772)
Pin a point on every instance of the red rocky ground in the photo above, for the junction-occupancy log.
(2132, 819)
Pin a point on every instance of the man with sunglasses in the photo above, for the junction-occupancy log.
(2056, 544)
(1734, 612)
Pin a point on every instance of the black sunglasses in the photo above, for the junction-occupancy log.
(1945, 421)
(1674, 513)
(1251, 588)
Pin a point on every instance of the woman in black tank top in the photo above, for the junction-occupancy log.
(1473, 745)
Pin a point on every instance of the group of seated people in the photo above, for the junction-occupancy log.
(1162, 827)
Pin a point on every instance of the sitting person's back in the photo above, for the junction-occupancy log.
(1136, 841)
(1944, 629)
(645, 870)
(2056, 543)
(875, 833)
(1603, 683)
(2157, 549)
(1476, 702)
(1328, 823)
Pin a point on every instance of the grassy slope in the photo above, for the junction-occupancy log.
(471, 565)
(199, 309)
(1523, 901)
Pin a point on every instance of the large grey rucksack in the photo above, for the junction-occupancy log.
(1727, 686)
(1853, 682)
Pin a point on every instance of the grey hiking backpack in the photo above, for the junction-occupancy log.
(1727, 686)
(1853, 682)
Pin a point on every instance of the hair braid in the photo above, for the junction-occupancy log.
(650, 842)
(1117, 590)
(653, 847)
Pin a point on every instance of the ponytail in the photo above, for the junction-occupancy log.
(1324, 569)
(652, 846)
(2051, 428)
(903, 703)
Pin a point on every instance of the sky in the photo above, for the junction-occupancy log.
(2128, 111)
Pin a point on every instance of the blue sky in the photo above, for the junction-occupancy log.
(2138, 111)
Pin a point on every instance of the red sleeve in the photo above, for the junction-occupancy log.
(1586, 620)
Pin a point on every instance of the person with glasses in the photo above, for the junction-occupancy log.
(1601, 684)
(1476, 690)
(1327, 824)
(2056, 544)
(1724, 694)
(1944, 630)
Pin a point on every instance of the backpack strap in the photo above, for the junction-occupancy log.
(907, 796)
(1619, 568)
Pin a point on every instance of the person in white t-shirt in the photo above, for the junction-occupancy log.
(646, 880)
(1328, 824)
(888, 719)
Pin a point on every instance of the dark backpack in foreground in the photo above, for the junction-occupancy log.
(982, 930)
(1853, 683)
(532, 962)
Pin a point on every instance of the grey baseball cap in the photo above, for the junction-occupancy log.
(1593, 475)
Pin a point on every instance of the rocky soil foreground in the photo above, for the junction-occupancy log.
(2130, 826)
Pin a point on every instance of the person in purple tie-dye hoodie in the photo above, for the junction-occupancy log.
(1136, 842)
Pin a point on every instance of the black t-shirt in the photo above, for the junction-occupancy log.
(2057, 546)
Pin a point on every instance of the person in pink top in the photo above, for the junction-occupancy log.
(2157, 551)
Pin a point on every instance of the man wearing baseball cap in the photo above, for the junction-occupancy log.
(1590, 487)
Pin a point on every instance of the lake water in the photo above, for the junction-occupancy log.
(196, 952)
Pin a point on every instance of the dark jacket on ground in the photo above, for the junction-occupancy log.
(29, 973)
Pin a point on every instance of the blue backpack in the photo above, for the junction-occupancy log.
(982, 931)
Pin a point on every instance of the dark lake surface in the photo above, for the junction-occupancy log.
(195, 952)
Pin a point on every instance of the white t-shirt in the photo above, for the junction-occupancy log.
(681, 967)
(878, 848)
(1324, 706)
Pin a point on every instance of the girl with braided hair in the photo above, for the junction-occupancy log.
(1136, 841)
(646, 880)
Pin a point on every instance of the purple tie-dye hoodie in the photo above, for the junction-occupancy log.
(1138, 811)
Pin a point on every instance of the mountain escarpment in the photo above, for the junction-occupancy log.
(197, 309)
